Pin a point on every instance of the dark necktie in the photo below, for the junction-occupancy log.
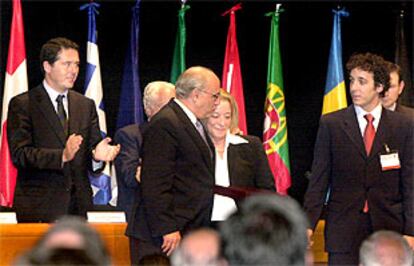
(202, 133)
(61, 112)
(200, 130)
(369, 135)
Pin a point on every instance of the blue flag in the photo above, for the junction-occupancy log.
(101, 184)
(335, 93)
(130, 104)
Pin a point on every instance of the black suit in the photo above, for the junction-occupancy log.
(405, 110)
(340, 162)
(248, 165)
(177, 178)
(44, 189)
(126, 164)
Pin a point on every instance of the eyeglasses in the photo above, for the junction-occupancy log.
(215, 96)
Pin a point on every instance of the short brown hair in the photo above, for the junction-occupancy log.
(394, 68)
(50, 50)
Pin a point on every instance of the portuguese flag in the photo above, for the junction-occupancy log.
(275, 138)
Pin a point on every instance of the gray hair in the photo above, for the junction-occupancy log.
(152, 89)
(267, 230)
(194, 77)
(91, 250)
(397, 251)
(182, 256)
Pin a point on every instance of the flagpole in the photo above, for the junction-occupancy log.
(183, 3)
(278, 7)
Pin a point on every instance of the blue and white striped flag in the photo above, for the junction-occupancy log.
(103, 186)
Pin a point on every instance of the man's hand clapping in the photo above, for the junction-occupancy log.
(106, 152)
(71, 148)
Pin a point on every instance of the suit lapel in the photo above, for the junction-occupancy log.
(351, 127)
(75, 114)
(230, 161)
(195, 136)
(49, 113)
(380, 135)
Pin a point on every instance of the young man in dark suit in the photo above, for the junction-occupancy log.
(364, 155)
(177, 175)
(54, 137)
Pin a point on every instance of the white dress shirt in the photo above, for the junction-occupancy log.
(224, 206)
(362, 122)
(53, 94)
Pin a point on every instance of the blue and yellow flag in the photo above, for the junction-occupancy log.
(335, 94)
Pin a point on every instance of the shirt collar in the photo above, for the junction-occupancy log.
(235, 139)
(393, 107)
(53, 94)
(376, 112)
(187, 111)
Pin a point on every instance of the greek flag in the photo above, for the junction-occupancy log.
(103, 186)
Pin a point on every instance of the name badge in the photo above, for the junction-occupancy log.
(106, 217)
(8, 218)
(390, 161)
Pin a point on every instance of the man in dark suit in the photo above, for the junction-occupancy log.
(54, 137)
(389, 101)
(368, 166)
(128, 162)
(177, 175)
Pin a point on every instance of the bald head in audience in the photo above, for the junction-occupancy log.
(201, 248)
(70, 241)
(385, 248)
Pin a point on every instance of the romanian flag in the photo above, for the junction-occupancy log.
(275, 138)
(178, 63)
(15, 83)
(335, 94)
(232, 78)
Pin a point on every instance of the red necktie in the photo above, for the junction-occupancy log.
(369, 135)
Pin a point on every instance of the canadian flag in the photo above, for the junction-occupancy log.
(15, 83)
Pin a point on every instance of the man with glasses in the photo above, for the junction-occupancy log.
(177, 175)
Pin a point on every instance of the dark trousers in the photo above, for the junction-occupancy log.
(352, 256)
(140, 248)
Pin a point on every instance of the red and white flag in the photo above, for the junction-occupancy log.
(15, 83)
(232, 78)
